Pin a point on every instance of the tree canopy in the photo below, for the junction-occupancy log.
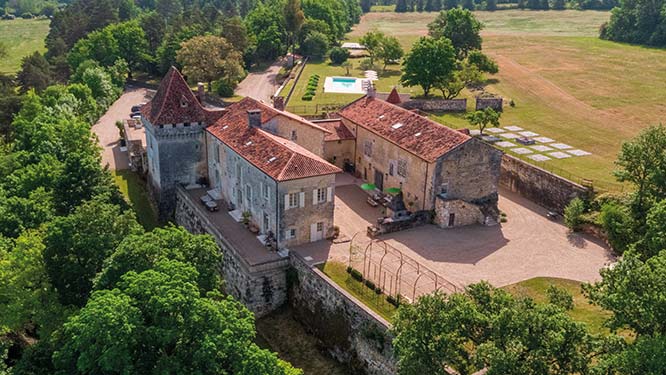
(460, 27)
(429, 63)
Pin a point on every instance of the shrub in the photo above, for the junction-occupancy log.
(560, 297)
(356, 275)
(349, 269)
(378, 290)
(393, 301)
(27, 16)
(573, 213)
(315, 45)
(366, 64)
(307, 97)
(618, 225)
(224, 89)
(338, 55)
(370, 284)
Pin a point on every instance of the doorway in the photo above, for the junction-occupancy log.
(317, 231)
(379, 180)
(452, 219)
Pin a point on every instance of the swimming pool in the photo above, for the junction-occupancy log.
(344, 85)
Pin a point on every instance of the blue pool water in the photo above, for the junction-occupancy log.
(347, 83)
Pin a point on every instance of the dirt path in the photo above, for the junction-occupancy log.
(107, 132)
(261, 85)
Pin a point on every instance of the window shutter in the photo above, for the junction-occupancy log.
(314, 197)
(286, 202)
(329, 194)
(301, 199)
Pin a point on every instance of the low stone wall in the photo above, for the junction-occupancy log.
(465, 213)
(494, 103)
(353, 334)
(538, 185)
(261, 287)
(437, 105)
(418, 219)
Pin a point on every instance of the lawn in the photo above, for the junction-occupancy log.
(134, 190)
(22, 38)
(565, 82)
(377, 302)
(583, 311)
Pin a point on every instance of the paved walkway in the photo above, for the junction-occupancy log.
(527, 246)
(108, 133)
(261, 85)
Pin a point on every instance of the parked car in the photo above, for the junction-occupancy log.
(136, 108)
(135, 114)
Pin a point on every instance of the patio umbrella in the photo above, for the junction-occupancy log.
(368, 187)
(393, 190)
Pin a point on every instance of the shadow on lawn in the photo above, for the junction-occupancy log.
(135, 191)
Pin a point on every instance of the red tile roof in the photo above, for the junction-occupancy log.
(175, 103)
(338, 131)
(394, 97)
(277, 157)
(417, 134)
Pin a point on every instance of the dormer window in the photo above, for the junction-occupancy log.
(183, 102)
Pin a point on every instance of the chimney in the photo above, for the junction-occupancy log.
(201, 92)
(278, 103)
(371, 90)
(254, 118)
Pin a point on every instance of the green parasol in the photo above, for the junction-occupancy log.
(393, 190)
(368, 187)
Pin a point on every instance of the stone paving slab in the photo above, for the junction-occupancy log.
(509, 135)
(522, 150)
(541, 148)
(560, 146)
(559, 155)
(513, 128)
(474, 132)
(528, 134)
(544, 139)
(495, 130)
(506, 144)
(539, 157)
(579, 152)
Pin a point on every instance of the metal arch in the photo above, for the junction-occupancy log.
(416, 282)
(351, 247)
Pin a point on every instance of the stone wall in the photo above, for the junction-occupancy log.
(436, 105)
(353, 334)
(261, 287)
(494, 103)
(538, 185)
(465, 213)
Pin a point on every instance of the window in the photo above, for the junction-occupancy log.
(444, 189)
(367, 148)
(294, 136)
(321, 195)
(290, 233)
(248, 194)
(265, 192)
(217, 152)
(320, 226)
(239, 171)
(391, 167)
(402, 167)
(293, 200)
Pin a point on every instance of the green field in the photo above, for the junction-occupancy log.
(567, 84)
(134, 190)
(22, 38)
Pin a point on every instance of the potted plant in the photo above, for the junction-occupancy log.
(246, 218)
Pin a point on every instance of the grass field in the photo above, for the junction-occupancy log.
(134, 190)
(377, 302)
(22, 38)
(567, 84)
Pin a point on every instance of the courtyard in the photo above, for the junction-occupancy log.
(528, 245)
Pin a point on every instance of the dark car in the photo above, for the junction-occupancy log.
(135, 114)
(135, 108)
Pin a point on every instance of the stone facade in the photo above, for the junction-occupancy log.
(494, 103)
(538, 185)
(352, 333)
(176, 155)
(261, 287)
(339, 151)
(436, 105)
(451, 213)
(309, 137)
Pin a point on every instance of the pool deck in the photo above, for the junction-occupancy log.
(331, 86)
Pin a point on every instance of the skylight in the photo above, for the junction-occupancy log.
(381, 117)
(272, 159)
(225, 126)
(397, 125)
(249, 143)
(417, 134)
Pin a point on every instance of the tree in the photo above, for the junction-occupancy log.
(484, 118)
(140, 252)
(207, 58)
(132, 44)
(35, 73)
(467, 75)
(78, 244)
(156, 321)
(390, 51)
(654, 240)
(401, 6)
(642, 162)
(482, 62)
(235, 32)
(484, 327)
(348, 66)
(366, 5)
(640, 21)
(315, 45)
(633, 290)
(618, 225)
(293, 19)
(265, 24)
(168, 9)
(100, 46)
(461, 27)
(573, 213)
(338, 55)
(430, 62)
(372, 41)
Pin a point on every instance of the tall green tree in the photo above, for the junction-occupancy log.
(372, 41)
(461, 27)
(132, 44)
(208, 58)
(390, 51)
(293, 18)
(430, 62)
(35, 73)
(484, 118)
